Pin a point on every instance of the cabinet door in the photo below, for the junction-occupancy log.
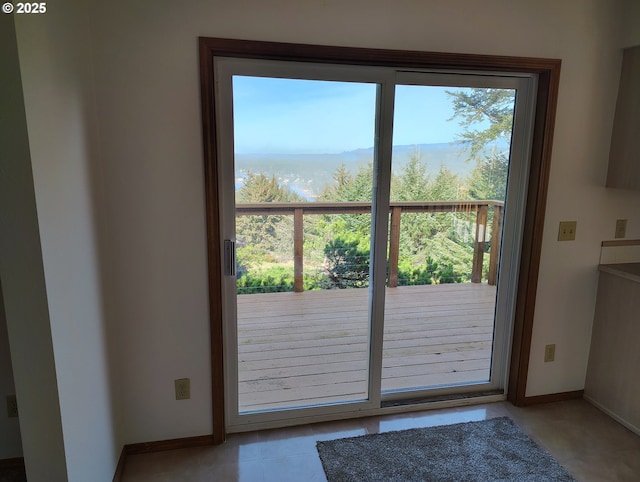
(614, 360)
(624, 157)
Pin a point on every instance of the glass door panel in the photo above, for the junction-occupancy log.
(448, 189)
(303, 170)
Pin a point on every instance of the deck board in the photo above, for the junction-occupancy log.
(297, 349)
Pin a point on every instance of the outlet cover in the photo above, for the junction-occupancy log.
(549, 353)
(621, 228)
(183, 389)
(12, 406)
(567, 231)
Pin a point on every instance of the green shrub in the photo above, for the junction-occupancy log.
(271, 280)
(347, 266)
(432, 273)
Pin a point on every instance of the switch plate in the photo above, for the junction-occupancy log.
(12, 406)
(549, 353)
(621, 228)
(183, 389)
(567, 231)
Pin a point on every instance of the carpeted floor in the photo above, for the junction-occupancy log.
(490, 450)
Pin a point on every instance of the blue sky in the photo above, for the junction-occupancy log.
(307, 116)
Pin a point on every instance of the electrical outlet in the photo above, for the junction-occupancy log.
(621, 228)
(183, 389)
(567, 231)
(549, 353)
(12, 406)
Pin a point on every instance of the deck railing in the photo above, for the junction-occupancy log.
(396, 209)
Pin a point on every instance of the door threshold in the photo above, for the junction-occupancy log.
(387, 408)
(440, 398)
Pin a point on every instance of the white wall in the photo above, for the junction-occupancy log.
(60, 112)
(148, 104)
(10, 442)
(23, 288)
(568, 276)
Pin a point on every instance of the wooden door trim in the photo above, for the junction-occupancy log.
(212, 196)
(548, 72)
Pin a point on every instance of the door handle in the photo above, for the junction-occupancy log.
(229, 257)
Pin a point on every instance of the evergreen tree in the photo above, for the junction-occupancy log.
(412, 183)
(475, 106)
(347, 265)
(446, 186)
(348, 187)
(261, 237)
(488, 147)
(489, 178)
(260, 188)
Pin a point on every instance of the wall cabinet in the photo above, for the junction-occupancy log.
(614, 359)
(624, 156)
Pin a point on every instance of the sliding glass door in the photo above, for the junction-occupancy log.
(455, 151)
(302, 337)
(362, 238)
(300, 188)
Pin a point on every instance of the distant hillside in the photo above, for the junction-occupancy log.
(308, 174)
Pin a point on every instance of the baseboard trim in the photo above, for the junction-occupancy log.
(12, 463)
(172, 444)
(550, 398)
(158, 446)
(614, 416)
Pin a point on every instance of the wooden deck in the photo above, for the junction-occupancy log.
(297, 349)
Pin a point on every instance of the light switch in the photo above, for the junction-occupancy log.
(567, 231)
(621, 228)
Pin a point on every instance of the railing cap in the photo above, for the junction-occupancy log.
(360, 206)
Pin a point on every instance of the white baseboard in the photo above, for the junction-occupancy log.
(614, 416)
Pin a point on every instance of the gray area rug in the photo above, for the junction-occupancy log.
(490, 450)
